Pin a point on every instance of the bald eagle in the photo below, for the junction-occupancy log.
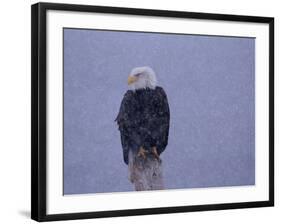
(144, 116)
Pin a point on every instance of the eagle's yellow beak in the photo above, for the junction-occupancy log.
(131, 79)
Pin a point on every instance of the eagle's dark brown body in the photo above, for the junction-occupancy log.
(143, 120)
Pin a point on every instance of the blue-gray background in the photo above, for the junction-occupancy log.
(209, 82)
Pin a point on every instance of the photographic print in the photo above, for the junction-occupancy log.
(157, 111)
(144, 111)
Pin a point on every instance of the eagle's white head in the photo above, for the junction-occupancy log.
(141, 78)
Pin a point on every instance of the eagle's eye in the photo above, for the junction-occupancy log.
(138, 74)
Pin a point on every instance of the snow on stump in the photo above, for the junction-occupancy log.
(145, 174)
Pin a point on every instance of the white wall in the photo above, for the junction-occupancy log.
(15, 110)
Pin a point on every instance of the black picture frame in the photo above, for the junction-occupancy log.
(39, 122)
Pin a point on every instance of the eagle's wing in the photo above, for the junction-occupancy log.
(128, 123)
(161, 121)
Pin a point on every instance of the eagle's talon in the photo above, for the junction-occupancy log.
(142, 153)
(155, 153)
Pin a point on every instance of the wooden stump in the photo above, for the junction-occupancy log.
(145, 174)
